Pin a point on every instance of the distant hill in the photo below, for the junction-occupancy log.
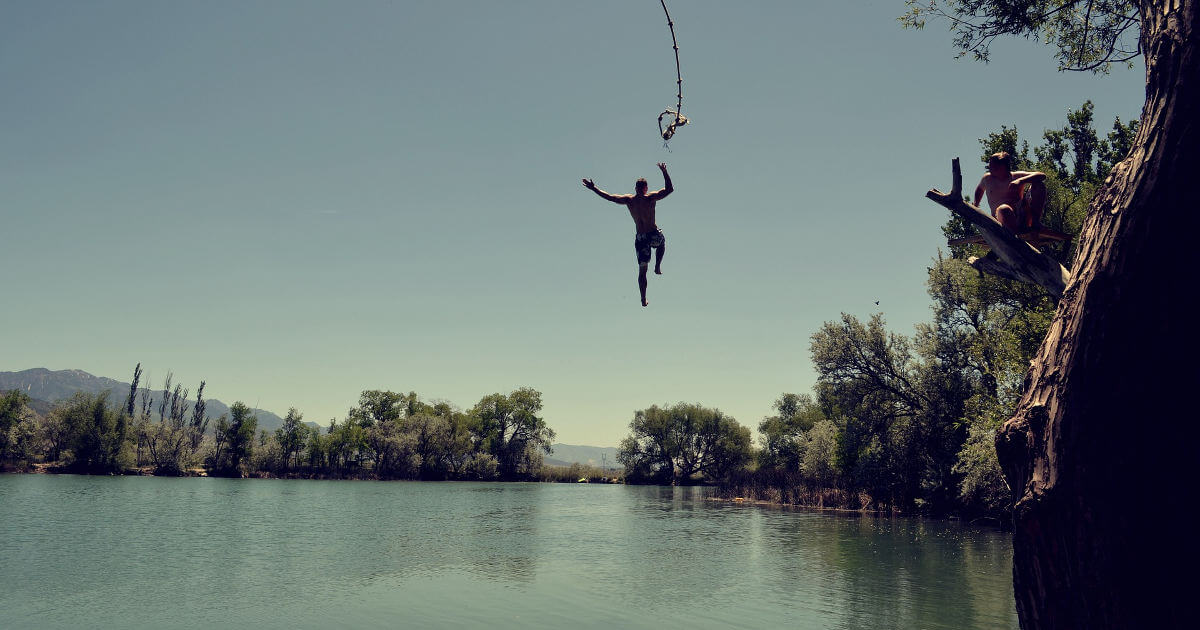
(55, 385)
(52, 386)
(567, 454)
(39, 407)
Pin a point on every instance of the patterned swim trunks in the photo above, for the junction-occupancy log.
(643, 242)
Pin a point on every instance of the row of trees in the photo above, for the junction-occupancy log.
(388, 435)
(84, 431)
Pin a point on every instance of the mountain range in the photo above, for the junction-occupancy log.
(51, 386)
(46, 387)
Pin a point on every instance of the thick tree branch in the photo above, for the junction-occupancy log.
(1013, 258)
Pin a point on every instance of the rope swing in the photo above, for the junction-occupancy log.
(680, 119)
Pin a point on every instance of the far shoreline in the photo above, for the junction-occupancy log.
(548, 474)
(721, 495)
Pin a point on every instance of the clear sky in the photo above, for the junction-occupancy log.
(296, 200)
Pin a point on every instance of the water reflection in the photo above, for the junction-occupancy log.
(147, 552)
(888, 572)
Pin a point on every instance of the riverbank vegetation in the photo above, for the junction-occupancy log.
(388, 435)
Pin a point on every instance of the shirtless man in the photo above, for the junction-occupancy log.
(1016, 208)
(641, 208)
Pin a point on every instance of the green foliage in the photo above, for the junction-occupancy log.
(174, 441)
(387, 435)
(459, 446)
(131, 400)
(234, 442)
(483, 466)
(510, 430)
(199, 422)
(12, 410)
(18, 430)
(291, 438)
(896, 406)
(378, 407)
(346, 446)
(682, 444)
(819, 464)
(1089, 35)
(89, 436)
(983, 487)
(783, 436)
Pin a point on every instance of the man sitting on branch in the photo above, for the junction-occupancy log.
(641, 208)
(1017, 198)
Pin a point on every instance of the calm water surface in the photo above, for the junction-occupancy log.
(146, 552)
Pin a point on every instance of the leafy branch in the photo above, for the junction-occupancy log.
(1090, 35)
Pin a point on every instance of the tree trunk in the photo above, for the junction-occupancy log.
(1103, 448)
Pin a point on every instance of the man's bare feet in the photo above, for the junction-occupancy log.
(658, 270)
(645, 303)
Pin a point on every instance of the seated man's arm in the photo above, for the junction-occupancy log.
(1023, 177)
(668, 188)
(621, 199)
(980, 189)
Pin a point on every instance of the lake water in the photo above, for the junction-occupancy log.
(146, 552)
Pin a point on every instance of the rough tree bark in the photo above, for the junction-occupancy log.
(1102, 451)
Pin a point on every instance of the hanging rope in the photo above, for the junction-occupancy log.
(680, 119)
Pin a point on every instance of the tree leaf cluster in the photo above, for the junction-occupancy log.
(1087, 35)
(233, 442)
(86, 435)
(19, 431)
(172, 443)
(682, 444)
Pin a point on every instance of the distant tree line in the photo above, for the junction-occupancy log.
(388, 435)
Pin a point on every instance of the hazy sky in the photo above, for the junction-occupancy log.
(296, 201)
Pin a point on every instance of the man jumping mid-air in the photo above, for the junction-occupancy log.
(641, 208)
(1017, 198)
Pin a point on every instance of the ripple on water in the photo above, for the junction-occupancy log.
(144, 552)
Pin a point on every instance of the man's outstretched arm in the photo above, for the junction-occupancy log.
(659, 194)
(621, 199)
